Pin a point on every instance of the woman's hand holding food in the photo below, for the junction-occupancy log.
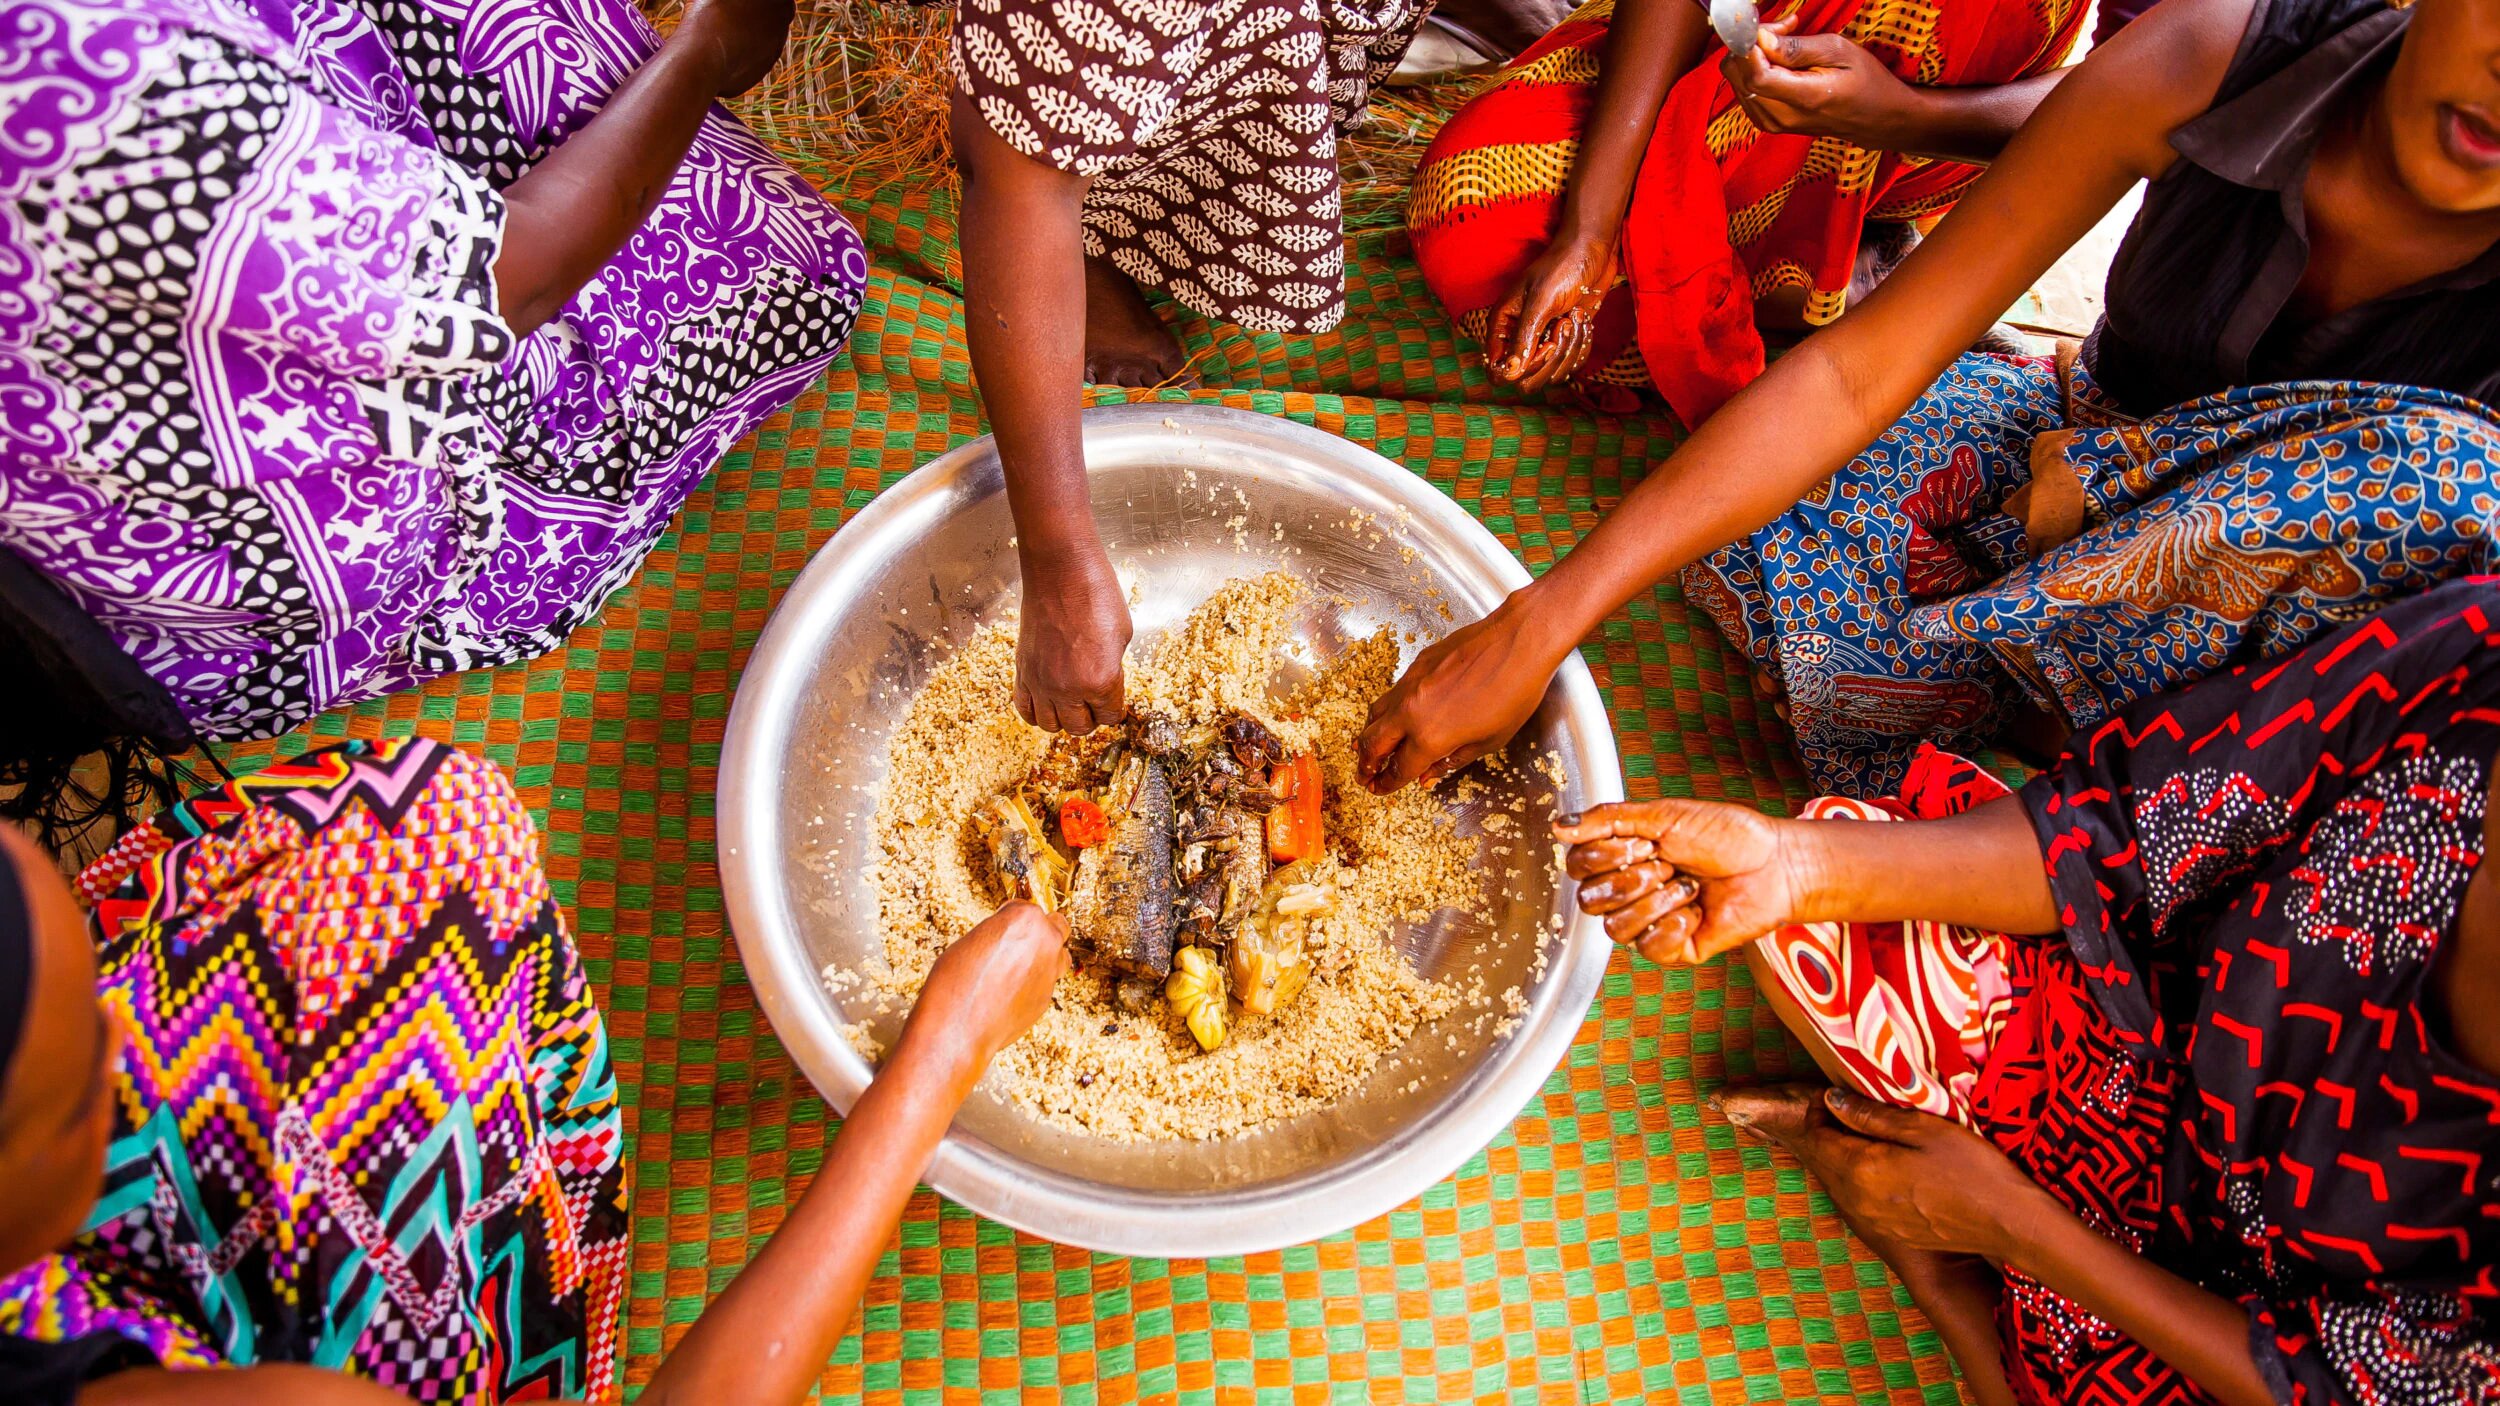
(767, 1336)
(1540, 334)
(1682, 881)
(1072, 645)
(989, 986)
(1822, 85)
(1462, 698)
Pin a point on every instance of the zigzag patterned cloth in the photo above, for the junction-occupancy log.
(364, 1116)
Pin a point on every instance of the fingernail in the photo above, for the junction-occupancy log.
(1716, 1103)
(1571, 817)
(1839, 1100)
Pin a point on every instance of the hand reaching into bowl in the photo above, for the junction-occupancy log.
(1072, 643)
(991, 984)
(797, 1297)
(1464, 697)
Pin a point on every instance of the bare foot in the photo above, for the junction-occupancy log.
(1785, 1114)
(1780, 1113)
(1125, 343)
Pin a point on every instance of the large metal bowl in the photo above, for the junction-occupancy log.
(1189, 496)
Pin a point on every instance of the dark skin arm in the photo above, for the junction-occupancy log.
(1959, 1295)
(1024, 294)
(1958, 1292)
(1823, 85)
(570, 213)
(768, 1336)
(1686, 880)
(2105, 127)
(1927, 1185)
(1539, 334)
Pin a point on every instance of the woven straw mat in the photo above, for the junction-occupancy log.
(1617, 1244)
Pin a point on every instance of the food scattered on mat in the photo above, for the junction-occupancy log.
(1231, 889)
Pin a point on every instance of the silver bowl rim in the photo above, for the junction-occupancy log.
(969, 1170)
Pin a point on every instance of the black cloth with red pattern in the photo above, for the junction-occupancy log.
(2236, 1064)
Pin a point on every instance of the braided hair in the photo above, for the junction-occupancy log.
(88, 739)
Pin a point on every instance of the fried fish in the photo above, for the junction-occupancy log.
(1121, 905)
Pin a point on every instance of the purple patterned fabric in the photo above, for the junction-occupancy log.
(258, 411)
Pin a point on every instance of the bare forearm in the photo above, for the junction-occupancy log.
(1743, 467)
(1024, 294)
(1959, 1296)
(1974, 124)
(1650, 45)
(2201, 1333)
(768, 1336)
(1980, 869)
(570, 213)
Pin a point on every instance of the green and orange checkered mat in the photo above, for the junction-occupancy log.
(1616, 1244)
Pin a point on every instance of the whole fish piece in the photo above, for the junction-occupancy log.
(1245, 872)
(1121, 904)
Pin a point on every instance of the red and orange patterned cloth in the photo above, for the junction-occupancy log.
(1912, 1009)
(2233, 1063)
(1722, 213)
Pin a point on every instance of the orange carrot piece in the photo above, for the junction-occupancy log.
(1293, 828)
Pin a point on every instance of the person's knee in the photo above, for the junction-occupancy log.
(2438, 445)
(2425, 474)
(479, 797)
(845, 279)
(1469, 256)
